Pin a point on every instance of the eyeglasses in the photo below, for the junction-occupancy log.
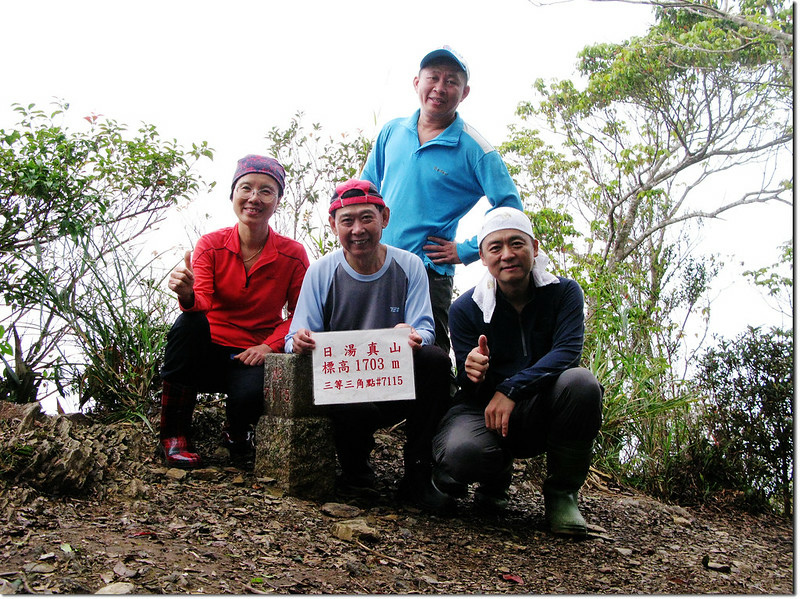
(264, 194)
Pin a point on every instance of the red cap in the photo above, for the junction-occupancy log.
(355, 191)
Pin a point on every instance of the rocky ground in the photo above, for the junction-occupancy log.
(87, 509)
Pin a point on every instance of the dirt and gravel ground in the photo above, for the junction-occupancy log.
(136, 527)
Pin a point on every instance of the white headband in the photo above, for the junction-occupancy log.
(485, 293)
(505, 218)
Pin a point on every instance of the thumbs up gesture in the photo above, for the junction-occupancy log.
(477, 362)
(181, 281)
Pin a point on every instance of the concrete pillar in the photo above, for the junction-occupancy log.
(294, 438)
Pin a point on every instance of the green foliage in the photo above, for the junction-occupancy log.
(545, 179)
(542, 173)
(83, 312)
(748, 399)
(59, 183)
(314, 165)
(21, 383)
(779, 285)
(118, 314)
(759, 33)
(659, 119)
(690, 41)
(5, 346)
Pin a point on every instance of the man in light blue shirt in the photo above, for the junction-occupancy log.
(432, 168)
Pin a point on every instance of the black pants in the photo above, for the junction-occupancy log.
(355, 424)
(440, 288)
(192, 360)
(568, 413)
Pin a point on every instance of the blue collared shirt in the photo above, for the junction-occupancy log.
(430, 187)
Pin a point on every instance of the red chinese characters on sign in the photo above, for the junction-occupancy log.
(371, 371)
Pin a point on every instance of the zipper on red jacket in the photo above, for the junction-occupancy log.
(247, 275)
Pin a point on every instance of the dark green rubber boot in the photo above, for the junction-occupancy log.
(567, 468)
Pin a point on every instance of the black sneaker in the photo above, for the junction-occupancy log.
(419, 490)
(490, 500)
(241, 449)
(357, 486)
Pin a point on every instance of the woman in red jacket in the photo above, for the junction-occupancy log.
(232, 293)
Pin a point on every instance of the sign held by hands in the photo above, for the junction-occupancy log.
(363, 366)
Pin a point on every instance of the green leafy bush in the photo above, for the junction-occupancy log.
(748, 414)
(80, 308)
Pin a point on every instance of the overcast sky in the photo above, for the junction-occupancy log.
(227, 72)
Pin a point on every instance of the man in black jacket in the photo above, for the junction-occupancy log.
(518, 337)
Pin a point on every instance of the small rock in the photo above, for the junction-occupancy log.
(176, 474)
(117, 588)
(136, 489)
(39, 568)
(340, 510)
(630, 501)
(624, 551)
(676, 509)
(206, 473)
(6, 588)
(274, 492)
(350, 530)
(123, 571)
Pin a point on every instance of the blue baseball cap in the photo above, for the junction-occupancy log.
(447, 53)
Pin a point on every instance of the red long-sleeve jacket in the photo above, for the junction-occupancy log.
(246, 309)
